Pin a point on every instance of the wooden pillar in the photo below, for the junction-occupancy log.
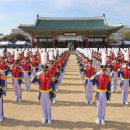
(86, 42)
(107, 41)
(37, 43)
(54, 41)
(33, 43)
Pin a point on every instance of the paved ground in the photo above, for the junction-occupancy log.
(70, 112)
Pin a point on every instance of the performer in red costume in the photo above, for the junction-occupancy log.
(3, 67)
(44, 80)
(27, 72)
(52, 72)
(103, 83)
(89, 72)
(2, 94)
(125, 81)
(34, 66)
(17, 74)
(115, 66)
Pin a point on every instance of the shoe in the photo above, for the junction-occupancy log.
(28, 90)
(1, 119)
(116, 91)
(91, 103)
(44, 121)
(103, 122)
(54, 101)
(122, 102)
(112, 91)
(49, 122)
(87, 102)
(126, 103)
(97, 121)
(19, 100)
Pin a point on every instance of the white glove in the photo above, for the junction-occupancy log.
(39, 73)
(99, 72)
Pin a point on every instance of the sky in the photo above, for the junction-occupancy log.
(16, 12)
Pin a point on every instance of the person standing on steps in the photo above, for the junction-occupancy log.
(103, 82)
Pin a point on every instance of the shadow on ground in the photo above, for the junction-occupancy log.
(62, 124)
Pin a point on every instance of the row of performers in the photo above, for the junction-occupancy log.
(104, 81)
(49, 77)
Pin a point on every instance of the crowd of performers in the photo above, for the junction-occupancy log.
(103, 68)
(98, 67)
(45, 66)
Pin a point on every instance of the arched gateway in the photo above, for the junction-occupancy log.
(60, 32)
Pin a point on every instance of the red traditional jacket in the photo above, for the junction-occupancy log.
(34, 63)
(16, 72)
(89, 71)
(102, 81)
(126, 73)
(11, 60)
(2, 65)
(45, 82)
(115, 66)
(26, 66)
(52, 70)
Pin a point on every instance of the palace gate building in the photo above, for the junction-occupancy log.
(70, 32)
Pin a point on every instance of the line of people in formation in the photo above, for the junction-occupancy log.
(46, 66)
(103, 68)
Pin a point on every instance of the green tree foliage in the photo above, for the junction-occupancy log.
(113, 40)
(14, 37)
(126, 36)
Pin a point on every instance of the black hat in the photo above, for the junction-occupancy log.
(26, 58)
(52, 61)
(16, 62)
(116, 58)
(90, 61)
(103, 67)
(126, 62)
(45, 67)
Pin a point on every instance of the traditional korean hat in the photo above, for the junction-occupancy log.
(16, 56)
(2, 54)
(12, 52)
(126, 57)
(90, 57)
(43, 58)
(55, 53)
(33, 52)
(104, 60)
(26, 53)
(51, 55)
(44, 61)
(45, 67)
